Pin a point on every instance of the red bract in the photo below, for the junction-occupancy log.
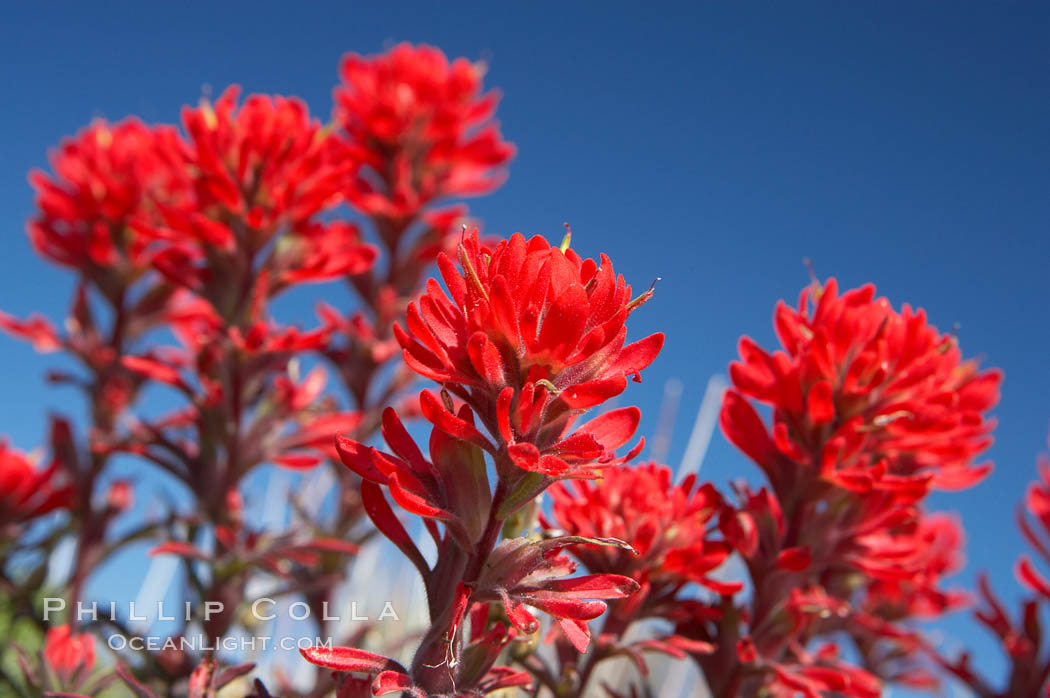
(452, 487)
(863, 392)
(323, 252)
(422, 125)
(36, 329)
(107, 178)
(27, 491)
(925, 555)
(667, 524)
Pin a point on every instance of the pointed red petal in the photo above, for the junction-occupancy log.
(350, 659)
(591, 393)
(613, 429)
(379, 511)
(745, 430)
(637, 356)
(358, 458)
(577, 632)
(594, 586)
(436, 414)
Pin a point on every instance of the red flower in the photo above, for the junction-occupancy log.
(69, 655)
(106, 178)
(531, 336)
(871, 408)
(266, 161)
(667, 524)
(523, 312)
(259, 171)
(26, 491)
(862, 392)
(422, 125)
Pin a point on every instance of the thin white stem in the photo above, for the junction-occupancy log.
(703, 427)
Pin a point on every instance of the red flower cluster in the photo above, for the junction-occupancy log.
(422, 125)
(864, 394)
(107, 181)
(668, 526)
(259, 171)
(531, 336)
(668, 531)
(871, 409)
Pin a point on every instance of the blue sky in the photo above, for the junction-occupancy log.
(714, 146)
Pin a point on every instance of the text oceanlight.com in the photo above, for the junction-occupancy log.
(202, 643)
